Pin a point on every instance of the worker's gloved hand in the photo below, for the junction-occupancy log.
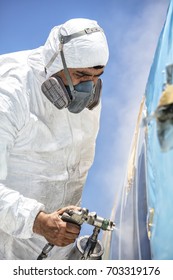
(54, 229)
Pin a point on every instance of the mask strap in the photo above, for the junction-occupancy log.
(51, 61)
(67, 38)
(67, 74)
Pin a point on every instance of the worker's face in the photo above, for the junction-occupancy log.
(86, 89)
(79, 75)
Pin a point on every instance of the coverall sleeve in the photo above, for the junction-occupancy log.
(17, 213)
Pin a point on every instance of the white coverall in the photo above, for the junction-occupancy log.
(45, 153)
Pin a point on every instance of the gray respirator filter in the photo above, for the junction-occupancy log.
(55, 91)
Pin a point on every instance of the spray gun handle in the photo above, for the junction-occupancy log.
(69, 219)
(77, 217)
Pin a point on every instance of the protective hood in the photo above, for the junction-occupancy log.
(85, 51)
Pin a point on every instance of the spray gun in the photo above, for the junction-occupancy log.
(86, 247)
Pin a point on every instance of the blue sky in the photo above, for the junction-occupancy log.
(132, 28)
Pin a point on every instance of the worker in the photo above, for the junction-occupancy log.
(49, 121)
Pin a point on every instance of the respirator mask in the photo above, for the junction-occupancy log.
(84, 95)
(75, 98)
